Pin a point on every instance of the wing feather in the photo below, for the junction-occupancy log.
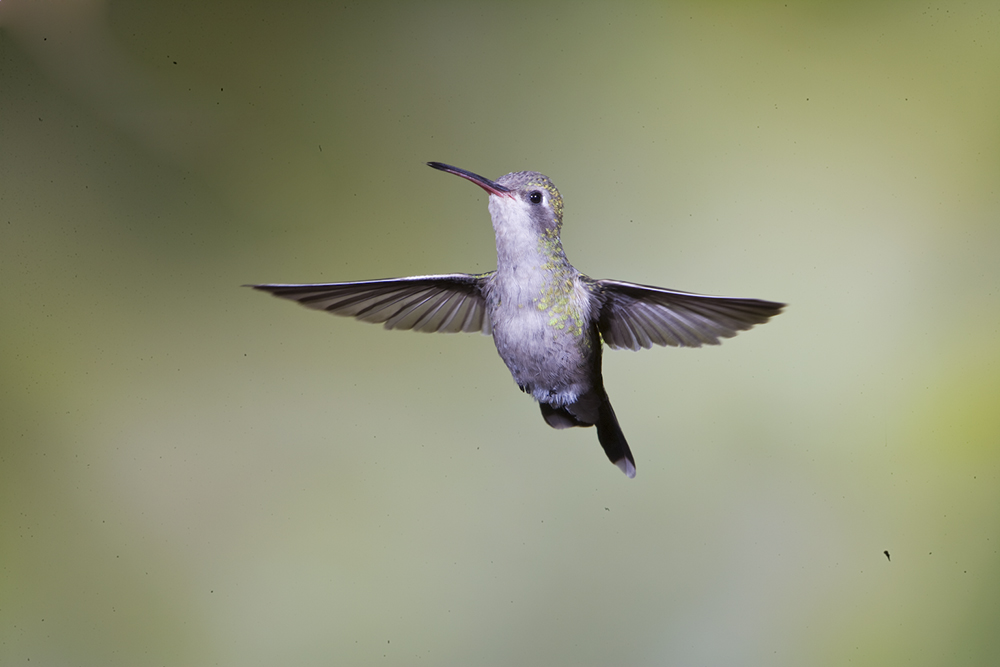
(447, 303)
(639, 316)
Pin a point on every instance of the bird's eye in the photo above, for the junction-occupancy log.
(535, 197)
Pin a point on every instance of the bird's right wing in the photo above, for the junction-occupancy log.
(446, 303)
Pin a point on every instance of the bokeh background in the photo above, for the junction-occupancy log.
(193, 473)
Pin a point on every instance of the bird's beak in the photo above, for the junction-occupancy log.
(492, 187)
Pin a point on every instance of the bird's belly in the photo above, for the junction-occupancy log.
(548, 362)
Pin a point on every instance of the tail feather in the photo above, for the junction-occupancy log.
(583, 413)
(560, 417)
(613, 440)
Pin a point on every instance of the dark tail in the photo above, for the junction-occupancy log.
(594, 409)
(613, 440)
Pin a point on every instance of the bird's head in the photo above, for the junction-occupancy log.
(520, 202)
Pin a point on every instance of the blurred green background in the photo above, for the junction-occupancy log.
(192, 473)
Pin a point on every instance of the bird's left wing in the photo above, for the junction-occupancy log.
(634, 316)
(447, 303)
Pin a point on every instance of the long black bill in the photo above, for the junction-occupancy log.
(492, 187)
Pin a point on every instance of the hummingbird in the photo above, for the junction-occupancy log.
(549, 321)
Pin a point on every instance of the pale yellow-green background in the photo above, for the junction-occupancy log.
(192, 473)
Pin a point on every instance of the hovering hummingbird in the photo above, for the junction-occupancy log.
(547, 319)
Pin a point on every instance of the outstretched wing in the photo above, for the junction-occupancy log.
(448, 303)
(634, 316)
